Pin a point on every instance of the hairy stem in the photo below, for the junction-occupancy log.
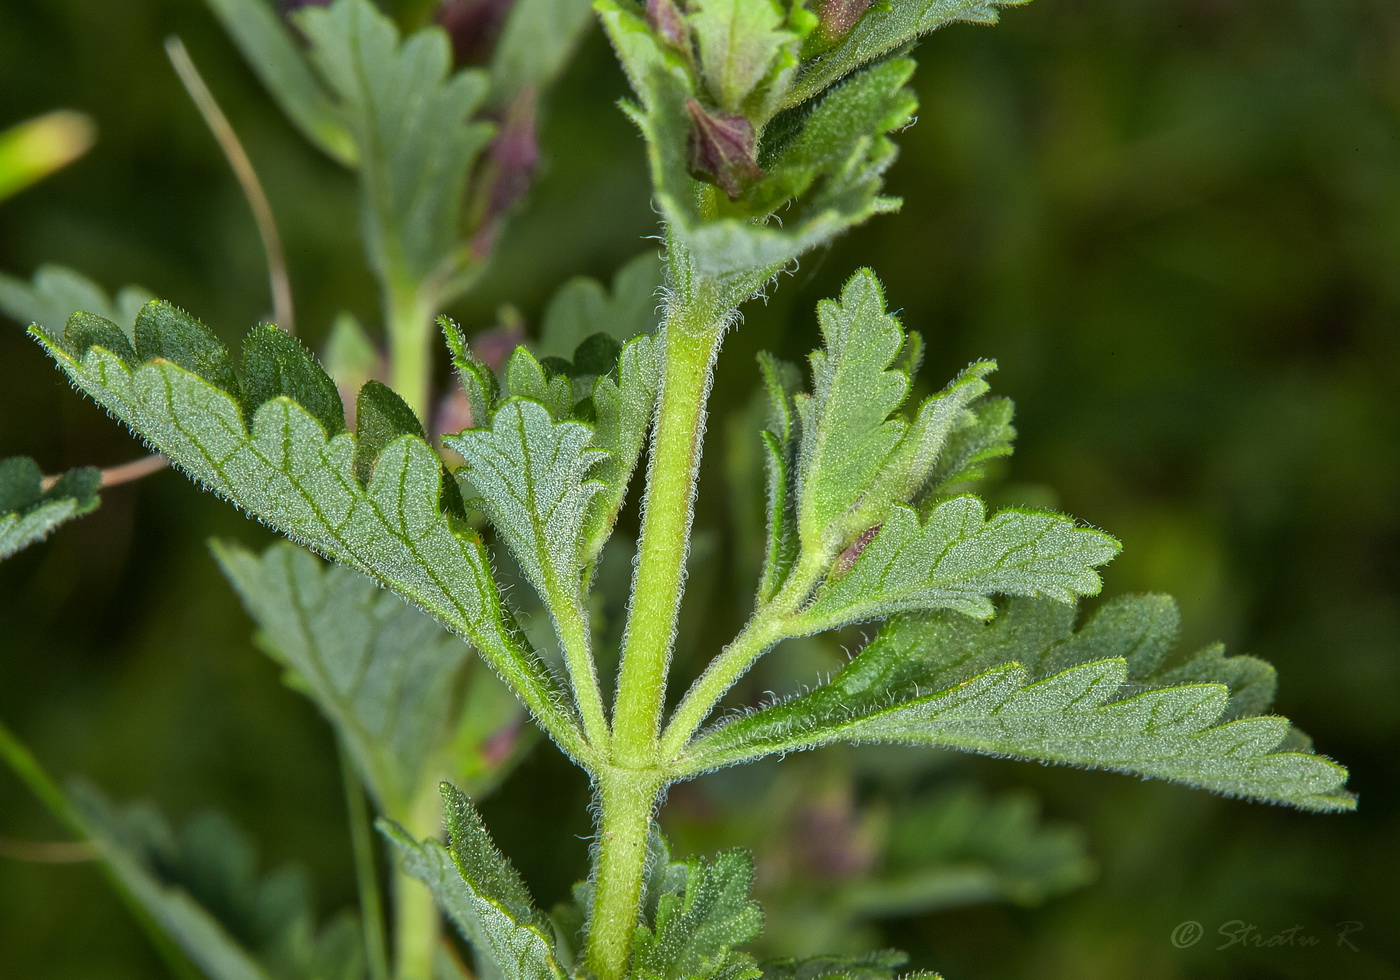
(626, 799)
(690, 339)
(572, 627)
(409, 317)
(416, 919)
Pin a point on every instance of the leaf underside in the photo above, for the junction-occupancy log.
(29, 512)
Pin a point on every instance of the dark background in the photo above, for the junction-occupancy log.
(1177, 225)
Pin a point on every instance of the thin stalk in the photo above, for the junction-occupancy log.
(114, 476)
(572, 626)
(17, 755)
(283, 312)
(409, 313)
(690, 339)
(626, 799)
(366, 875)
(416, 920)
(763, 630)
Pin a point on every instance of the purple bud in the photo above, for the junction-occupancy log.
(668, 22)
(474, 27)
(722, 149)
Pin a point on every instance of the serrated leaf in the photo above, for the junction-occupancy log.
(527, 378)
(738, 42)
(410, 117)
(699, 924)
(623, 411)
(272, 52)
(55, 293)
(780, 443)
(482, 894)
(958, 559)
(989, 435)
(200, 886)
(284, 470)
(276, 365)
(532, 475)
(887, 27)
(29, 513)
(384, 674)
(167, 333)
(1002, 689)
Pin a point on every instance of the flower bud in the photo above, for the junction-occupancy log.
(722, 149)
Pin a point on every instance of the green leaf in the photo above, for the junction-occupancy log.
(738, 41)
(887, 27)
(958, 559)
(200, 886)
(482, 894)
(962, 848)
(1006, 688)
(276, 365)
(167, 333)
(527, 378)
(410, 117)
(780, 444)
(56, 293)
(623, 410)
(583, 307)
(701, 918)
(531, 473)
(272, 52)
(29, 513)
(536, 43)
(857, 458)
(284, 470)
(989, 435)
(883, 965)
(386, 676)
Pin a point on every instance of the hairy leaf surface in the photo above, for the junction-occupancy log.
(703, 913)
(1008, 688)
(484, 896)
(284, 470)
(29, 512)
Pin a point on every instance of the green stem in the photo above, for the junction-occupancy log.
(366, 877)
(409, 312)
(690, 340)
(416, 919)
(572, 625)
(626, 800)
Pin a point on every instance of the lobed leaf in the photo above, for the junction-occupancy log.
(738, 42)
(1006, 688)
(703, 913)
(284, 469)
(29, 512)
(957, 559)
(482, 894)
(56, 292)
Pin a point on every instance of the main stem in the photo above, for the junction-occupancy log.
(628, 784)
(416, 919)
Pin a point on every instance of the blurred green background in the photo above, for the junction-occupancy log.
(1176, 224)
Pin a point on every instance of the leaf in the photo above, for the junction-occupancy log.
(701, 918)
(276, 365)
(532, 474)
(583, 307)
(482, 894)
(271, 51)
(738, 41)
(887, 27)
(962, 848)
(386, 676)
(200, 886)
(857, 458)
(410, 117)
(780, 443)
(537, 41)
(29, 513)
(284, 470)
(623, 409)
(957, 559)
(990, 435)
(883, 965)
(1004, 689)
(57, 292)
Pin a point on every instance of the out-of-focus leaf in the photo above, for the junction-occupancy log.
(28, 512)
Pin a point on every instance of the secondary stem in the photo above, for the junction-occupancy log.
(416, 919)
(362, 845)
(690, 341)
(409, 312)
